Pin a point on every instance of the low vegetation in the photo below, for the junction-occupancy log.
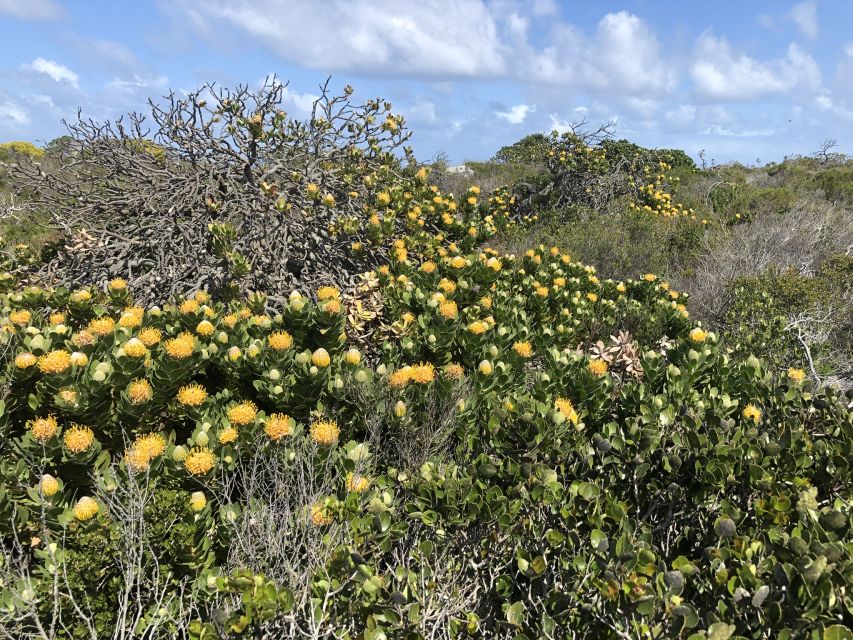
(441, 425)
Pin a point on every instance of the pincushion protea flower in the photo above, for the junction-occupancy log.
(325, 432)
(86, 509)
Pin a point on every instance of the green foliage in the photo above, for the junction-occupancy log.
(762, 312)
(9, 149)
(531, 150)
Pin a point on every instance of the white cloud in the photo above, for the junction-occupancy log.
(137, 82)
(31, 9)
(13, 115)
(623, 56)
(721, 73)
(804, 16)
(516, 114)
(423, 111)
(56, 71)
(302, 102)
(432, 38)
(825, 102)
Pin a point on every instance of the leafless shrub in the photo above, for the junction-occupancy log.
(400, 441)
(148, 603)
(800, 239)
(272, 532)
(147, 188)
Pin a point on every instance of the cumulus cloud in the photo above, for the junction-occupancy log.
(516, 114)
(623, 55)
(804, 16)
(31, 9)
(13, 115)
(428, 38)
(723, 74)
(54, 70)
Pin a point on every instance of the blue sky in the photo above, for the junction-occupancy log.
(742, 80)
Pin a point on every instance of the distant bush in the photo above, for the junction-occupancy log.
(21, 148)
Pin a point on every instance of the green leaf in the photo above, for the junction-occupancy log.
(837, 632)
(515, 613)
(721, 631)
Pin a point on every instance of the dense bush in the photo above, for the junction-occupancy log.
(503, 468)
(465, 442)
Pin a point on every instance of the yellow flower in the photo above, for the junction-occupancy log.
(79, 359)
(227, 436)
(86, 509)
(136, 460)
(356, 483)
(130, 320)
(478, 327)
(325, 432)
(523, 349)
(243, 413)
(650, 277)
(139, 391)
(117, 284)
(198, 501)
(352, 357)
(199, 461)
(400, 409)
(448, 286)
(81, 296)
(102, 326)
(591, 297)
(280, 341)
(597, 367)
(448, 309)
(320, 358)
(189, 306)
(428, 267)
(135, 348)
(57, 318)
(485, 368)
(422, 373)
(328, 293)
(565, 406)
(697, 335)
(48, 485)
(68, 395)
(83, 338)
(332, 306)
(181, 346)
(277, 426)
(319, 516)
(458, 262)
(150, 445)
(149, 336)
(797, 375)
(454, 371)
(205, 328)
(383, 198)
(230, 320)
(192, 394)
(20, 317)
(56, 361)
(751, 412)
(78, 438)
(25, 360)
(542, 292)
(400, 378)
